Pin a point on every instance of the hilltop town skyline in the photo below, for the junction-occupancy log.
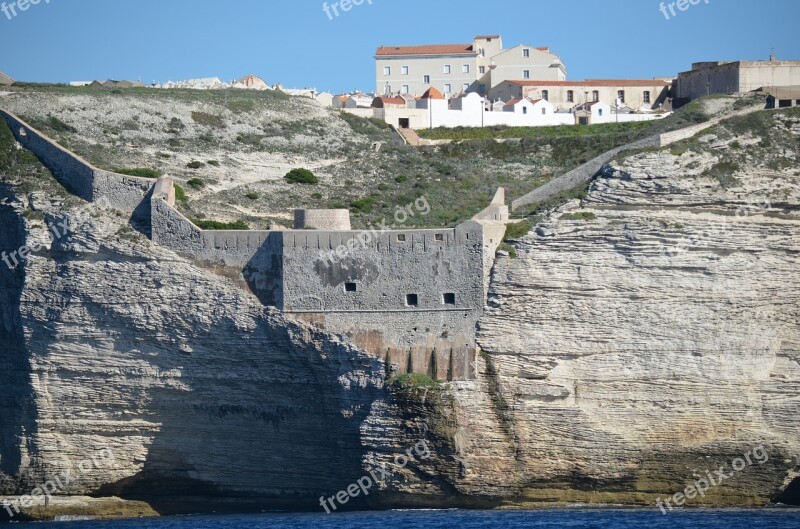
(336, 53)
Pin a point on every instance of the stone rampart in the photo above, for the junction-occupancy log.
(77, 175)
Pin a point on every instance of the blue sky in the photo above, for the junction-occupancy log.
(295, 43)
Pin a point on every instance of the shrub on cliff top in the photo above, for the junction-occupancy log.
(301, 176)
(138, 171)
(216, 225)
(517, 230)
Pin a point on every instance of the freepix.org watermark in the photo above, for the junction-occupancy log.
(10, 9)
(365, 483)
(757, 455)
(332, 9)
(58, 485)
(682, 5)
(419, 207)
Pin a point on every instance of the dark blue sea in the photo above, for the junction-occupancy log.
(566, 518)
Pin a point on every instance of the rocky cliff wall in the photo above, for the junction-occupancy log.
(651, 333)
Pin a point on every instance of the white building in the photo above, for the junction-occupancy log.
(455, 68)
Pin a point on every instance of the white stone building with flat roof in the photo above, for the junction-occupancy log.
(456, 68)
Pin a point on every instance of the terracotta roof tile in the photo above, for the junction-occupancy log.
(433, 49)
(432, 93)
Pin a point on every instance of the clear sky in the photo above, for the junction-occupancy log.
(295, 43)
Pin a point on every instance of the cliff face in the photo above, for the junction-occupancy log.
(651, 333)
(641, 338)
(192, 385)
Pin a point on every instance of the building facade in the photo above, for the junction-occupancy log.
(457, 68)
(721, 77)
(632, 93)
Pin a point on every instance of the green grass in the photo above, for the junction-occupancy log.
(216, 225)
(413, 381)
(180, 194)
(503, 132)
(59, 126)
(208, 120)
(517, 230)
(512, 252)
(196, 183)
(252, 195)
(580, 215)
(138, 171)
(195, 164)
(364, 205)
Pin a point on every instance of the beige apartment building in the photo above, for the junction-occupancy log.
(455, 68)
(632, 93)
(731, 77)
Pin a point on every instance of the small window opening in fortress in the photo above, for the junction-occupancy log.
(401, 237)
(350, 287)
(449, 298)
(412, 300)
(439, 237)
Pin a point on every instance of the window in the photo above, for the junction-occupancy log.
(465, 86)
(482, 88)
(426, 79)
(449, 298)
(621, 95)
(404, 70)
(412, 300)
(482, 69)
(387, 70)
(544, 111)
(465, 68)
(595, 96)
(350, 287)
(401, 237)
(482, 52)
(405, 89)
(526, 74)
(439, 237)
(524, 110)
(570, 96)
(448, 88)
(546, 95)
(447, 68)
(646, 97)
(526, 53)
(599, 111)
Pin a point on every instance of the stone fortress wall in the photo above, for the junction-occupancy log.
(411, 297)
(117, 191)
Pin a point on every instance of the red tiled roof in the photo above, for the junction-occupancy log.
(596, 82)
(388, 101)
(433, 49)
(432, 93)
(513, 102)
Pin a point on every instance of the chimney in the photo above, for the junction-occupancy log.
(772, 58)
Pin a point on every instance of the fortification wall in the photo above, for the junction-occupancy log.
(78, 176)
(322, 219)
(579, 175)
